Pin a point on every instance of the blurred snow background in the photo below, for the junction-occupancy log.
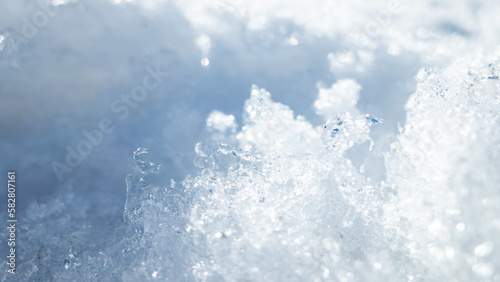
(283, 186)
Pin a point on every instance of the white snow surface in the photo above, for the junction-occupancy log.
(259, 140)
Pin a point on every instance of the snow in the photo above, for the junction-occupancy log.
(225, 140)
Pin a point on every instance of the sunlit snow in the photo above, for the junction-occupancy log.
(230, 140)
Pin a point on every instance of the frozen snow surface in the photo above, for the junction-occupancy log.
(332, 140)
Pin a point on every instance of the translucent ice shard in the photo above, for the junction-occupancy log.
(136, 182)
(345, 130)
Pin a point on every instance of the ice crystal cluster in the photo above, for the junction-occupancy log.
(290, 141)
(281, 200)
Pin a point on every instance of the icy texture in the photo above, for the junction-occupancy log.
(281, 199)
(283, 202)
(279, 204)
(315, 183)
(444, 170)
